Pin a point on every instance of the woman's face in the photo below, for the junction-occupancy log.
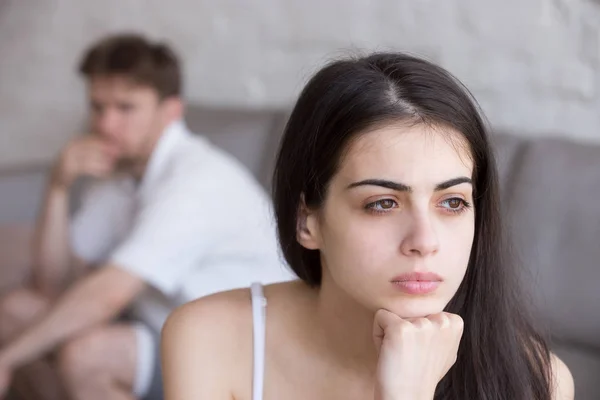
(397, 224)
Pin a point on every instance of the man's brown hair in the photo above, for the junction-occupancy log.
(134, 57)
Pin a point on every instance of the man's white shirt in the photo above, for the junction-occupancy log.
(196, 224)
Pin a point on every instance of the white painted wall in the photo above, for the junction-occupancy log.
(534, 65)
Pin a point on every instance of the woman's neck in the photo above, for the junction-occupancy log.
(346, 328)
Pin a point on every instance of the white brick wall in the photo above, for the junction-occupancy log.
(534, 65)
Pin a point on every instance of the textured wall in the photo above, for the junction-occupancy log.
(534, 65)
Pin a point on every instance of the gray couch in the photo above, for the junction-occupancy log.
(551, 198)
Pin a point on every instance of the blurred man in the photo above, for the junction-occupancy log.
(165, 218)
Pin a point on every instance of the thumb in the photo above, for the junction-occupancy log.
(382, 321)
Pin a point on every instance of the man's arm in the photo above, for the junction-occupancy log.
(52, 254)
(92, 300)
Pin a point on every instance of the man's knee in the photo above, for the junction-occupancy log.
(22, 304)
(77, 359)
(18, 309)
(98, 362)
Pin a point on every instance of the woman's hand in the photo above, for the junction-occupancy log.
(415, 354)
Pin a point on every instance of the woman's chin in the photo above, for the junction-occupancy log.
(416, 308)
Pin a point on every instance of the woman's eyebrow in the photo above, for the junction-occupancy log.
(401, 187)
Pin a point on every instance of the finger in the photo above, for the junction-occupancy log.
(89, 166)
(110, 149)
(423, 323)
(97, 143)
(454, 319)
(86, 140)
(102, 147)
(98, 168)
(382, 322)
(440, 319)
(383, 319)
(82, 156)
(456, 322)
(97, 156)
(106, 144)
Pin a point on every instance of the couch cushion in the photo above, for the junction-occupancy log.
(555, 227)
(272, 148)
(21, 193)
(508, 150)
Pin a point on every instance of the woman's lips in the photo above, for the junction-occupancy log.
(417, 282)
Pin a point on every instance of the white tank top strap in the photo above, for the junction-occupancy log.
(259, 308)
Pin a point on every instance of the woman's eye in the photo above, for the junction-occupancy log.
(382, 205)
(455, 204)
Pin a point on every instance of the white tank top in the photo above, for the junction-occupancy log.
(259, 313)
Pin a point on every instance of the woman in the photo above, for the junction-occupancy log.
(386, 200)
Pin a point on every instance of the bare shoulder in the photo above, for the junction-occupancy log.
(206, 345)
(563, 385)
(202, 345)
(210, 315)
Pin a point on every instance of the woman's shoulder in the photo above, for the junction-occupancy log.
(209, 314)
(561, 382)
(207, 326)
(222, 318)
(216, 318)
(206, 345)
(563, 385)
(221, 312)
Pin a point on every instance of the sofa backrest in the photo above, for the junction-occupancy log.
(251, 136)
(550, 191)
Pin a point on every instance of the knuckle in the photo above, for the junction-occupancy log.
(423, 324)
(454, 318)
(402, 330)
(441, 319)
(459, 322)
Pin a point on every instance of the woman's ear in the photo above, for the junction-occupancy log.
(307, 227)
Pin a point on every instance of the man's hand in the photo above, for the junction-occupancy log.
(84, 156)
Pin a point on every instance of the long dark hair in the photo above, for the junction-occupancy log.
(501, 355)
